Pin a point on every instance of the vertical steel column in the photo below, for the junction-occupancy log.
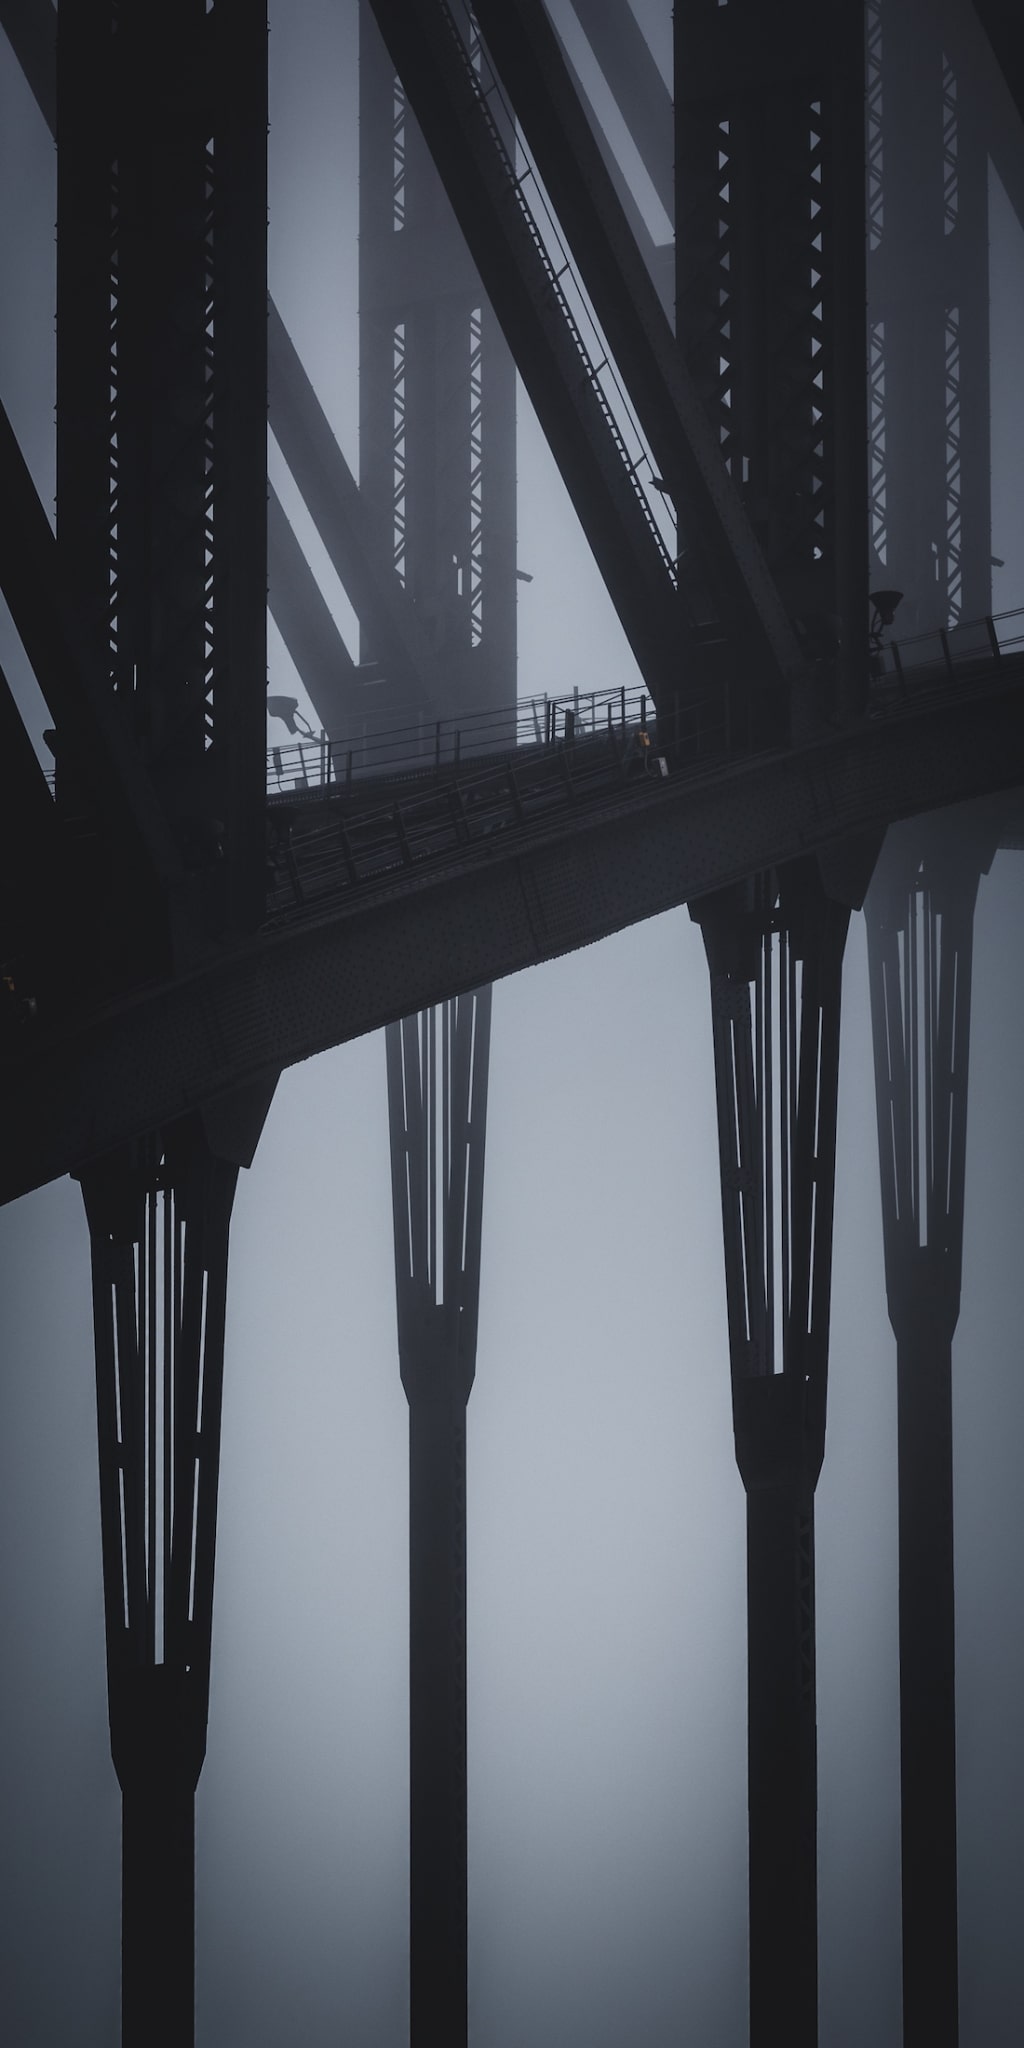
(437, 401)
(928, 312)
(158, 1220)
(437, 480)
(161, 489)
(161, 412)
(437, 1096)
(920, 914)
(769, 109)
(775, 951)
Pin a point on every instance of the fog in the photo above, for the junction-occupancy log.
(607, 1682)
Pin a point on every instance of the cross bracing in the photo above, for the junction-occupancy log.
(774, 748)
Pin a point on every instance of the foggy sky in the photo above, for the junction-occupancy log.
(607, 1677)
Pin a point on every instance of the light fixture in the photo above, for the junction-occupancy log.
(884, 603)
(287, 710)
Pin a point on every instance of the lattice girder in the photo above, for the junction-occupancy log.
(770, 291)
(161, 403)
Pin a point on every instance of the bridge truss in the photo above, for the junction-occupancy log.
(743, 472)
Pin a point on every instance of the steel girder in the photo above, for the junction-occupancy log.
(31, 29)
(920, 914)
(438, 493)
(970, 45)
(645, 104)
(928, 295)
(1001, 25)
(88, 721)
(305, 621)
(440, 78)
(116, 879)
(297, 604)
(161, 569)
(769, 108)
(33, 856)
(720, 557)
(436, 410)
(339, 509)
(640, 93)
(437, 1103)
(161, 409)
(524, 895)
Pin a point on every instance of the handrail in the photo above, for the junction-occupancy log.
(965, 640)
(515, 188)
(419, 745)
(409, 744)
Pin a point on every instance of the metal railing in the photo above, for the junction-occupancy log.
(317, 851)
(948, 649)
(621, 411)
(411, 744)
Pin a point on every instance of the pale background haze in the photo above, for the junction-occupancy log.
(606, 1518)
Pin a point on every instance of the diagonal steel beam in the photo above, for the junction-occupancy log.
(331, 494)
(521, 283)
(31, 29)
(975, 40)
(304, 619)
(303, 429)
(85, 715)
(658, 258)
(437, 1107)
(713, 522)
(640, 93)
(1000, 20)
(32, 889)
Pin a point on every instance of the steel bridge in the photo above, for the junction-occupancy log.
(756, 463)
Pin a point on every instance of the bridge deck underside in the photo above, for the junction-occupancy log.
(416, 934)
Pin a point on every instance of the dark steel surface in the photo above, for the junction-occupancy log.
(519, 278)
(775, 952)
(437, 414)
(520, 896)
(162, 572)
(920, 913)
(304, 619)
(642, 97)
(928, 288)
(157, 583)
(158, 1222)
(770, 290)
(437, 504)
(720, 557)
(437, 1104)
(336, 505)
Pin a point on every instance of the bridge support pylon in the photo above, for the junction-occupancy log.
(437, 1095)
(158, 1216)
(920, 916)
(775, 951)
